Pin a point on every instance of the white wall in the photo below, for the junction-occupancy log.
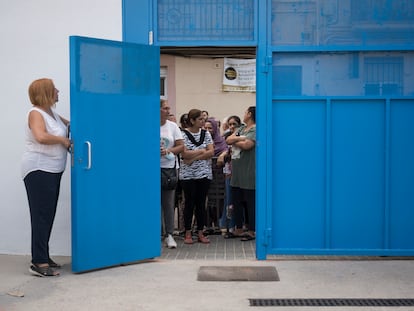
(35, 44)
(199, 83)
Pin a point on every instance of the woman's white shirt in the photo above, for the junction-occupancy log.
(169, 133)
(48, 158)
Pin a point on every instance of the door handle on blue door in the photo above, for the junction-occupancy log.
(72, 154)
(89, 163)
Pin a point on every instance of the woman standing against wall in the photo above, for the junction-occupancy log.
(196, 173)
(43, 163)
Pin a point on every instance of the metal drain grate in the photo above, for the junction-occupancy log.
(327, 302)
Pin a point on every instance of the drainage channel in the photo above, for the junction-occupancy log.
(329, 302)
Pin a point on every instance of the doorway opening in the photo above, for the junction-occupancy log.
(192, 77)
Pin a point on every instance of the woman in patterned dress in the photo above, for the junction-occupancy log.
(196, 173)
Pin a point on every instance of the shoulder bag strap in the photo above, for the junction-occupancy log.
(191, 137)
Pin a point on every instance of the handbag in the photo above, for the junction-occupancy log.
(169, 178)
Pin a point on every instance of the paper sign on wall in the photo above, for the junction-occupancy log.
(239, 75)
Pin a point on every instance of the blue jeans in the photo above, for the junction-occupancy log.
(226, 222)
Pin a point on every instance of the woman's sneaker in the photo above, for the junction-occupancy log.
(170, 242)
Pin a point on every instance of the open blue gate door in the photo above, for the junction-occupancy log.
(115, 160)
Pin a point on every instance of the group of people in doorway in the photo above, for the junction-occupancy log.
(190, 148)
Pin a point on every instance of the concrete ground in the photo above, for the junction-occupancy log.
(170, 282)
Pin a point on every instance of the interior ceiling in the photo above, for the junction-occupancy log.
(210, 51)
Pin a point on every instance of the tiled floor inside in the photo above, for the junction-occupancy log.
(218, 249)
(235, 249)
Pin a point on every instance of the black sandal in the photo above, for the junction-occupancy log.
(247, 238)
(42, 271)
(230, 235)
(53, 264)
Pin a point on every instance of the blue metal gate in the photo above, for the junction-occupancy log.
(341, 172)
(338, 166)
(111, 84)
(335, 100)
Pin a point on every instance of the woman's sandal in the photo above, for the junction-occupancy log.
(230, 235)
(42, 271)
(53, 264)
(203, 239)
(247, 238)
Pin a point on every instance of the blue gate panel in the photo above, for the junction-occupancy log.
(357, 174)
(342, 22)
(112, 181)
(401, 213)
(298, 148)
(194, 20)
(380, 73)
(366, 199)
(287, 80)
(342, 176)
(96, 80)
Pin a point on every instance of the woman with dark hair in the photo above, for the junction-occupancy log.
(243, 179)
(204, 113)
(220, 144)
(184, 121)
(217, 187)
(227, 217)
(233, 123)
(196, 173)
